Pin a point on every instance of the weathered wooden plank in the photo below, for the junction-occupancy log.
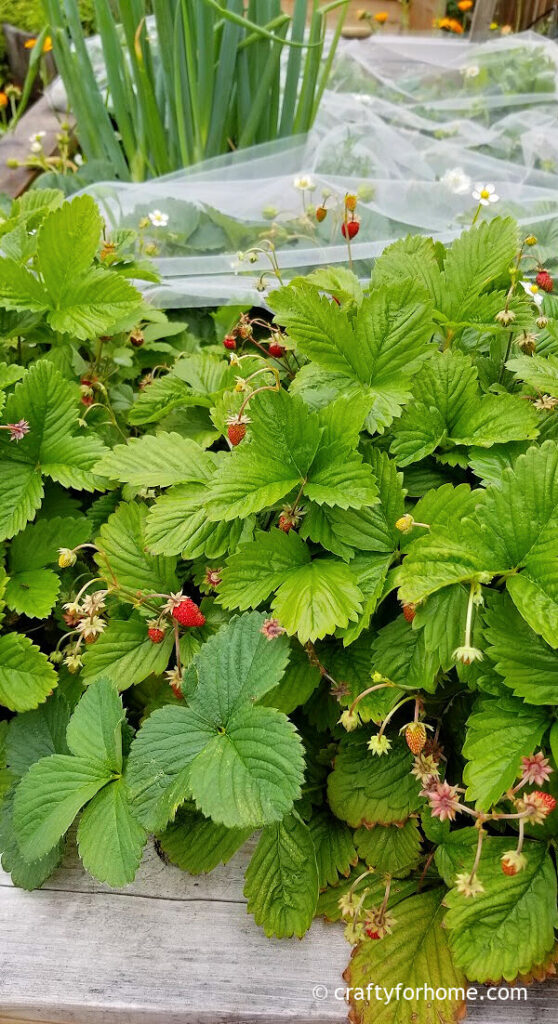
(14, 145)
(171, 948)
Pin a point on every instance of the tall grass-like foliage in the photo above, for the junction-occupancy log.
(210, 78)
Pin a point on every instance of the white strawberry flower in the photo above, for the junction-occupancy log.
(485, 194)
(158, 219)
(304, 183)
(456, 180)
(533, 291)
(471, 71)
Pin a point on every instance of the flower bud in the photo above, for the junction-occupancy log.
(66, 557)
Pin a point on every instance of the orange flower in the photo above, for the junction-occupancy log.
(29, 44)
(465, 5)
(381, 17)
(455, 26)
(3, 100)
(444, 23)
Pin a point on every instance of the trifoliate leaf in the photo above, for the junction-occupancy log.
(376, 355)
(509, 928)
(49, 797)
(499, 733)
(123, 557)
(26, 675)
(251, 773)
(364, 789)
(414, 956)
(110, 840)
(177, 524)
(528, 665)
(333, 846)
(282, 879)
(197, 845)
(157, 461)
(95, 728)
(390, 848)
(125, 654)
(450, 408)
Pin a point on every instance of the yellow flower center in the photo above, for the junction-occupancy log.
(534, 288)
(484, 193)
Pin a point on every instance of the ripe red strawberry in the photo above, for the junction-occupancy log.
(321, 214)
(229, 342)
(276, 350)
(156, 635)
(545, 799)
(87, 399)
(371, 932)
(409, 611)
(415, 735)
(350, 228)
(544, 281)
(513, 862)
(236, 432)
(187, 613)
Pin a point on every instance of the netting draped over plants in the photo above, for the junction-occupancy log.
(410, 123)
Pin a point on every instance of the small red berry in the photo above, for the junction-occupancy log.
(546, 799)
(229, 342)
(187, 613)
(321, 214)
(285, 523)
(544, 281)
(87, 399)
(276, 350)
(156, 635)
(236, 432)
(350, 228)
(371, 932)
(409, 611)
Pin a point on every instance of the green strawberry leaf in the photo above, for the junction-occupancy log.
(282, 879)
(395, 849)
(508, 928)
(26, 675)
(32, 593)
(49, 797)
(415, 955)
(110, 840)
(527, 664)
(157, 461)
(124, 560)
(499, 733)
(333, 846)
(95, 728)
(367, 790)
(125, 653)
(197, 845)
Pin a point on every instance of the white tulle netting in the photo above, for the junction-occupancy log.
(410, 123)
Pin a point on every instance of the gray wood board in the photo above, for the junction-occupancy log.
(171, 948)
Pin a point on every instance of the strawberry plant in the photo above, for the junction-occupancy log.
(289, 580)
